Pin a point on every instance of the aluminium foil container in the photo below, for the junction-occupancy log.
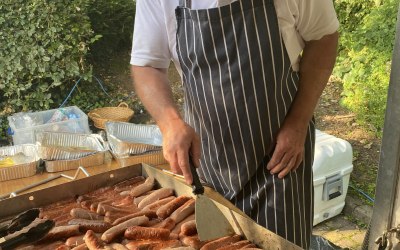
(128, 139)
(26, 161)
(67, 146)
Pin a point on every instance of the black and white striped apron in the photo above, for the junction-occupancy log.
(239, 85)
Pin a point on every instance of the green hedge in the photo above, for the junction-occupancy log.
(44, 44)
(367, 39)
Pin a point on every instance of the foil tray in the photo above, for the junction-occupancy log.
(68, 146)
(86, 161)
(25, 167)
(127, 139)
(153, 158)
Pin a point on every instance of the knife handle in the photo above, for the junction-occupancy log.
(196, 184)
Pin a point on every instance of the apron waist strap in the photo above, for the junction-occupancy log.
(185, 3)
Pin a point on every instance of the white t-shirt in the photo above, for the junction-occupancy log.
(154, 38)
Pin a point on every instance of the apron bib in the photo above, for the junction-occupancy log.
(239, 85)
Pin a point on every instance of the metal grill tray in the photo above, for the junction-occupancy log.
(242, 224)
(68, 146)
(25, 168)
(127, 139)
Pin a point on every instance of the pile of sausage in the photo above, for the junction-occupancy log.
(129, 215)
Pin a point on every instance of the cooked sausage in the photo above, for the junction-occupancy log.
(61, 232)
(80, 213)
(117, 246)
(97, 226)
(103, 208)
(143, 188)
(237, 245)
(119, 229)
(174, 236)
(215, 244)
(141, 245)
(155, 196)
(193, 241)
(167, 209)
(183, 211)
(110, 217)
(126, 201)
(138, 199)
(250, 247)
(81, 247)
(44, 246)
(63, 247)
(153, 222)
(146, 233)
(166, 244)
(128, 183)
(74, 241)
(157, 204)
(189, 228)
(148, 214)
(92, 242)
(168, 223)
(177, 228)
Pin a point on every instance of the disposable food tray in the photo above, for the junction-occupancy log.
(25, 168)
(127, 139)
(68, 146)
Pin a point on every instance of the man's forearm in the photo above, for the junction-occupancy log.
(152, 87)
(315, 69)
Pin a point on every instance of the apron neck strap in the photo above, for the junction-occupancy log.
(185, 3)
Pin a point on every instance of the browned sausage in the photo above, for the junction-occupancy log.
(74, 241)
(119, 229)
(157, 204)
(155, 196)
(117, 246)
(97, 226)
(167, 209)
(183, 211)
(143, 188)
(177, 228)
(81, 247)
(189, 228)
(61, 232)
(80, 213)
(126, 201)
(250, 247)
(141, 245)
(92, 242)
(152, 222)
(146, 233)
(237, 245)
(215, 244)
(168, 223)
(193, 241)
(63, 247)
(128, 183)
(110, 217)
(148, 214)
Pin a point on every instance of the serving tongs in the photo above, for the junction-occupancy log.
(32, 235)
(20, 221)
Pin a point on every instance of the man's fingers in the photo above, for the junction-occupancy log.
(276, 157)
(299, 161)
(195, 151)
(173, 162)
(288, 168)
(183, 160)
(284, 163)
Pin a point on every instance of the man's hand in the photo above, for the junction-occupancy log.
(180, 140)
(316, 66)
(289, 150)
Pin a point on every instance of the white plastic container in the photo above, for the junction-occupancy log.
(332, 167)
(67, 120)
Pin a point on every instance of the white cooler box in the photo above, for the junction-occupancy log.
(332, 167)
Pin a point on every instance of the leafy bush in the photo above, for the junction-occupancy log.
(364, 61)
(44, 44)
(113, 20)
(43, 48)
